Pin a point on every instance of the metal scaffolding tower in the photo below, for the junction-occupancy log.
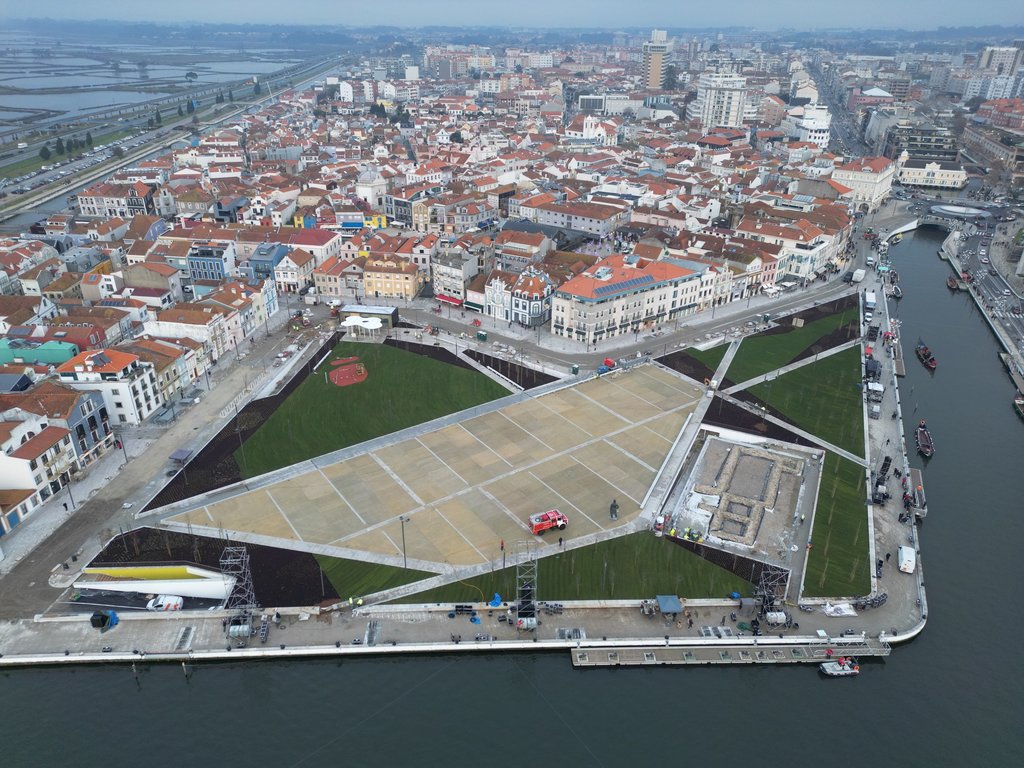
(234, 563)
(772, 585)
(526, 584)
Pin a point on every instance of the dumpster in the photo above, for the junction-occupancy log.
(481, 335)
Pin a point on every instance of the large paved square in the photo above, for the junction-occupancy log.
(467, 487)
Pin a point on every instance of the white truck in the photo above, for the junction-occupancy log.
(907, 559)
(869, 305)
(858, 275)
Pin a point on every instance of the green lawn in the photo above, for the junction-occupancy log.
(634, 566)
(822, 398)
(762, 353)
(403, 390)
(710, 357)
(838, 565)
(353, 578)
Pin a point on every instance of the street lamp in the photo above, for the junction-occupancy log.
(405, 560)
(120, 441)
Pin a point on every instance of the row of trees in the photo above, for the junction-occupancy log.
(61, 147)
(400, 115)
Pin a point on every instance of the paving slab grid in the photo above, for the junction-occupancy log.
(466, 487)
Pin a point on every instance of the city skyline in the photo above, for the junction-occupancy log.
(788, 14)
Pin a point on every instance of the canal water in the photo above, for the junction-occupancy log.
(951, 697)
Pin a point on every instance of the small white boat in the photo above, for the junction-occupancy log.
(841, 667)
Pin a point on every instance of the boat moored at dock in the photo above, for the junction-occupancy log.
(925, 444)
(841, 667)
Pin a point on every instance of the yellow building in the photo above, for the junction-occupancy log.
(392, 277)
(375, 220)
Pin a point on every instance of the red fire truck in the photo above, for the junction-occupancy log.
(542, 521)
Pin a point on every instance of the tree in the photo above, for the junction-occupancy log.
(191, 108)
(149, 122)
(191, 76)
(231, 95)
(59, 146)
(670, 80)
(195, 119)
(88, 138)
(257, 89)
(456, 137)
(220, 97)
(44, 152)
(377, 109)
(181, 112)
(118, 151)
(158, 118)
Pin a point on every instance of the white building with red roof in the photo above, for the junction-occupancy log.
(870, 178)
(36, 460)
(128, 384)
(623, 294)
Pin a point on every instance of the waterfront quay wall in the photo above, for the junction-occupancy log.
(422, 630)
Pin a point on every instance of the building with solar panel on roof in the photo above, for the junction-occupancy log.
(628, 294)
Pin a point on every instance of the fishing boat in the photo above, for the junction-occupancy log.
(1018, 405)
(925, 356)
(895, 240)
(952, 284)
(925, 445)
(841, 667)
(897, 292)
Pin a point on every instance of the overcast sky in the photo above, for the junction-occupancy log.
(768, 14)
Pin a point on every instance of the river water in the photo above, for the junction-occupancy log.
(950, 698)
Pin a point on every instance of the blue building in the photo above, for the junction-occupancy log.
(211, 260)
(261, 265)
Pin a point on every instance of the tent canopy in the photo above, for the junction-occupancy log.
(669, 604)
(181, 455)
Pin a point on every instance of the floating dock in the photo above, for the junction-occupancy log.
(759, 650)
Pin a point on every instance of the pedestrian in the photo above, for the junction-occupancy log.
(560, 542)
(65, 506)
(887, 556)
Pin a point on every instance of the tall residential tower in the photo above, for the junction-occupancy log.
(656, 56)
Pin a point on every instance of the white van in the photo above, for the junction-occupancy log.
(165, 603)
(907, 559)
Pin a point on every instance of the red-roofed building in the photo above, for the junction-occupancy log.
(623, 294)
(36, 460)
(128, 385)
(870, 178)
(123, 200)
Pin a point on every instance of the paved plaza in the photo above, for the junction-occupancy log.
(466, 487)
